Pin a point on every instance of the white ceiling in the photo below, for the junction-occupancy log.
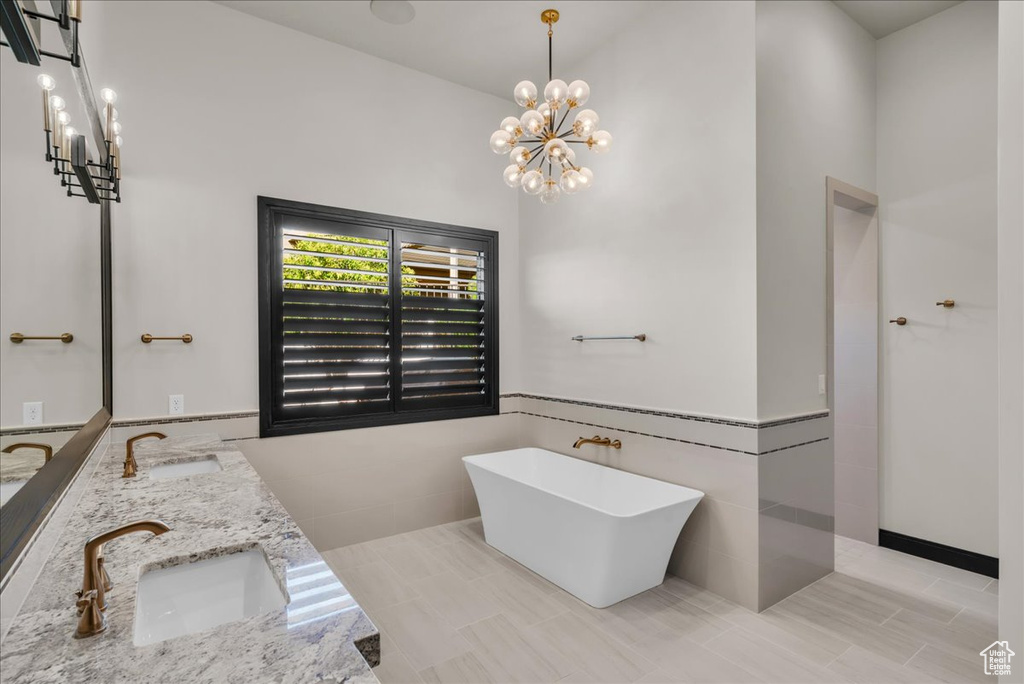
(489, 46)
(882, 17)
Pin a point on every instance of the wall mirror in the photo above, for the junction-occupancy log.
(55, 394)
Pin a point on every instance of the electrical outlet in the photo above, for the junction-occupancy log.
(176, 404)
(32, 413)
(821, 384)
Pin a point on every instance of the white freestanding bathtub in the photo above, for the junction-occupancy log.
(601, 534)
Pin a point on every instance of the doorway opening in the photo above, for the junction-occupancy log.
(852, 339)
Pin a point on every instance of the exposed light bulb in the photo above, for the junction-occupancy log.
(600, 142)
(513, 175)
(501, 142)
(579, 93)
(556, 149)
(525, 94)
(108, 96)
(569, 182)
(532, 122)
(510, 125)
(519, 156)
(70, 132)
(57, 102)
(119, 140)
(116, 127)
(533, 182)
(550, 193)
(585, 123)
(64, 118)
(555, 92)
(544, 109)
(46, 82)
(113, 114)
(586, 178)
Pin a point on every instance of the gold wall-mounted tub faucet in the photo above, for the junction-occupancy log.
(47, 449)
(599, 441)
(92, 600)
(130, 466)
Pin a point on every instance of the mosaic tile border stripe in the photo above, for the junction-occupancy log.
(40, 430)
(671, 414)
(198, 418)
(666, 438)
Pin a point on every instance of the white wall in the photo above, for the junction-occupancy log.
(937, 192)
(49, 261)
(246, 108)
(1011, 324)
(815, 118)
(664, 242)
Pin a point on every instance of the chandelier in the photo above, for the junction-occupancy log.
(538, 146)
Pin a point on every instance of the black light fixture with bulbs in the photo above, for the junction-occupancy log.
(16, 22)
(69, 151)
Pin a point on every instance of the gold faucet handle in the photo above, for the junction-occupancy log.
(92, 620)
(84, 599)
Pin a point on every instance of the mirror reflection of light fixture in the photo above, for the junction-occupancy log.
(393, 11)
(535, 137)
(69, 152)
(24, 39)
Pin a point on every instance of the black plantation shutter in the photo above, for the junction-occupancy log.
(373, 320)
(335, 320)
(444, 346)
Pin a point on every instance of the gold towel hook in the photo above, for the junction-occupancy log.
(948, 303)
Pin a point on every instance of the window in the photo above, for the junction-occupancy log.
(373, 320)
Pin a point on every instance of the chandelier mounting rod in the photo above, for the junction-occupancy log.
(549, 17)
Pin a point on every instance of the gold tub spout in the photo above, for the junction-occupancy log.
(599, 441)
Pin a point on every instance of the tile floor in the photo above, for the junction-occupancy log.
(452, 609)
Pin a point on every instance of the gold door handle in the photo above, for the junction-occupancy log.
(899, 321)
(948, 303)
(18, 338)
(186, 338)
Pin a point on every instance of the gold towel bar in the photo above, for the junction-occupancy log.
(18, 338)
(186, 338)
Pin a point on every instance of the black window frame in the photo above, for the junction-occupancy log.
(270, 267)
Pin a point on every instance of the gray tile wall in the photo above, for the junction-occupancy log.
(763, 530)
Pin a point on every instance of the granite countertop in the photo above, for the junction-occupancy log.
(21, 465)
(321, 636)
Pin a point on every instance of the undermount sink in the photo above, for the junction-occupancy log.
(195, 597)
(199, 466)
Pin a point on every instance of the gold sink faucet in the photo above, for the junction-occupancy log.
(47, 449)
(130, 466)
(599, 441)
(95, 581)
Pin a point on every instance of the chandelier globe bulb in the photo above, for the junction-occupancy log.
(525, 94)
(578, 93)
(501, 142)
(555, 93)
(550, 193)
(533, 182)
(600, 142)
